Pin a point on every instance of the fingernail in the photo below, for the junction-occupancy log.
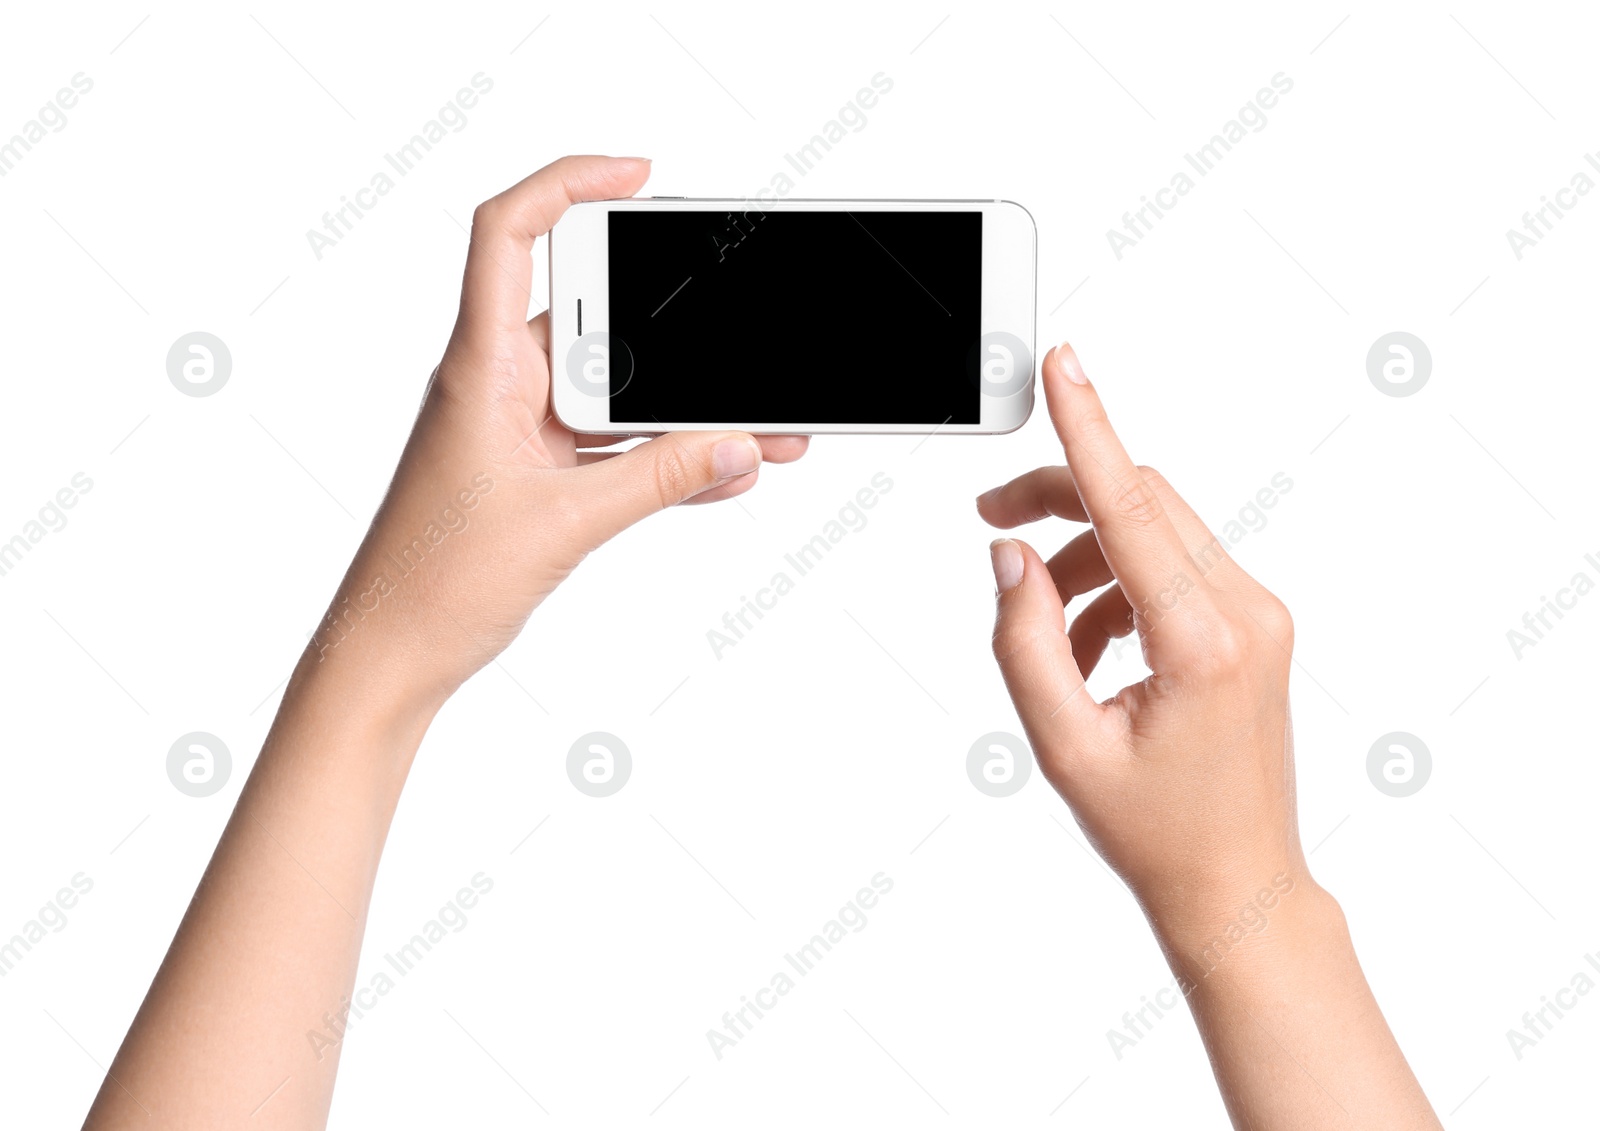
(1068, 361)
(1006, 557)
(731, 458)
(987, 496)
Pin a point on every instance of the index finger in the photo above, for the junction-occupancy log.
(1140, 543)
(497, 289)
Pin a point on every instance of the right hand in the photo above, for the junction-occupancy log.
(1184, 781)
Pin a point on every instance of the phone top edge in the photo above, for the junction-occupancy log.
(807, 200)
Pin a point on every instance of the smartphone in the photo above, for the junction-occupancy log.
(792, 316)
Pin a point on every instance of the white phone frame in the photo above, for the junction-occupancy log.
(578, 272)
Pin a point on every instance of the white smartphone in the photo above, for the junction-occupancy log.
(792, 316)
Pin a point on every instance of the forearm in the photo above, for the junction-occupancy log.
(270, 943)
(1295, 1037)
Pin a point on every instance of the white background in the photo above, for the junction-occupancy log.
(1230, 345)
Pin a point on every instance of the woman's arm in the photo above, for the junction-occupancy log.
(492, 505)
(270, 941)
(1185, 782)
(1295, 1036)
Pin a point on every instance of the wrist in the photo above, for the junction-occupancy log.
(1220, 937)
(360, 699)
(376, 652)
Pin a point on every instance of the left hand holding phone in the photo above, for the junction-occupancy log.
(494, 502)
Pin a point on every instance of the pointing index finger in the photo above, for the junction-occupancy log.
(1138, 538)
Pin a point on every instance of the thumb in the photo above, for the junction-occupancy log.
(661, 473)
(1035, 654)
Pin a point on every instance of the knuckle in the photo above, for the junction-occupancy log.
(1137, 503)
(1014, 636)
(1277, 621)
(567, 513)
(672, 475)
(488, 217)
(1260, 638)
(515, 212)
(1158, 482)
(1228, 649)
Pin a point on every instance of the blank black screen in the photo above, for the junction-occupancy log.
(795, 317)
